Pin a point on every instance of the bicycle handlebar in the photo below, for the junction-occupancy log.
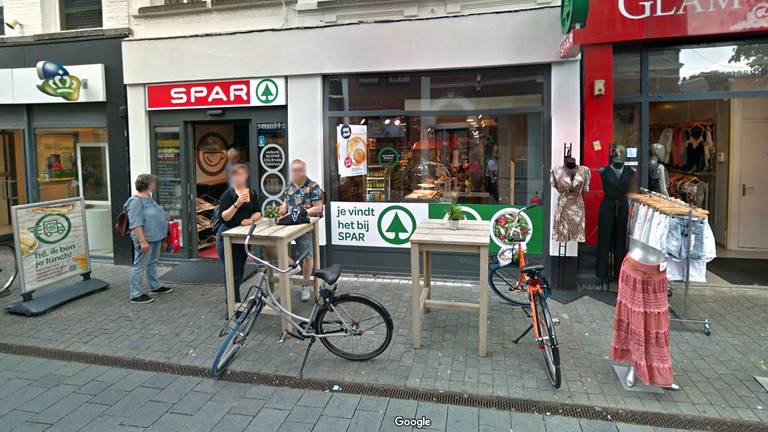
(290, 268)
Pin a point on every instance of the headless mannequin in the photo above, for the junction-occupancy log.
(645, 254)
(617, 179)
(570, 166)
(659, 180)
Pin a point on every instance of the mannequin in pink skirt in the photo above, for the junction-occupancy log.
(641, 321)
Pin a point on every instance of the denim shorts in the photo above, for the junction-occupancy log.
(303, 245)
(677, 238)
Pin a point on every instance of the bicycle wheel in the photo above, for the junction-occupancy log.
(354, 327)
(235, 338)
(504, 282)
(8, 267)
(548, 340)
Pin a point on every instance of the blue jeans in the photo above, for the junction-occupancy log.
(303, 244)
(144, 263)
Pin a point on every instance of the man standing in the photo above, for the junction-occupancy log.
(303, 192)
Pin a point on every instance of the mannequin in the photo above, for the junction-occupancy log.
(645, 254)
(658, 180)
(617, 179)
(569, 180)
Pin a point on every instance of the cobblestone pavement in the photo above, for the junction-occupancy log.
(715, 372)
(48, 395)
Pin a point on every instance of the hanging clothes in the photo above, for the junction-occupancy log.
(569, 212)
(612, 219)
(665, 139)
(641, 323)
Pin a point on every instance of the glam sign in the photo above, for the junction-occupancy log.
(635, 10)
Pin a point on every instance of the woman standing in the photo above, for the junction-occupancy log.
(149, 226)
(237, 206)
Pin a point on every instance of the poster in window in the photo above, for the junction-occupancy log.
(351, 151)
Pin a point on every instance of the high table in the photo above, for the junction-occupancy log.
(434, 236)
(278, 237)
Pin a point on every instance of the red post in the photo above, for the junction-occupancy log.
(598, 126)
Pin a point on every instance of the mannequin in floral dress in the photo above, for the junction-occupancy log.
(570, 180)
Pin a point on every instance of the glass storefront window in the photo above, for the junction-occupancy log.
(168, 171)
(75, 162)
(626, 74)
(464, 136)
(699, 69)
(626, 131)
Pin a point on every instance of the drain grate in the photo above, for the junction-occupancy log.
(674, 421)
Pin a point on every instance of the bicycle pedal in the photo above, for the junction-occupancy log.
(284, 337)
(555, 321)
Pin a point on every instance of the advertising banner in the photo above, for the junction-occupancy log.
(351, 151)
(51, 242)
(392, 224)
(375, 224)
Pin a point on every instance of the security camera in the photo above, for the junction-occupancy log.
(12, 24)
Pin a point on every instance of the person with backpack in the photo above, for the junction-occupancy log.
(148, 227)
(238, 205)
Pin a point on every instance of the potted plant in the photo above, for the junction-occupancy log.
(272, 213)
(454, 216)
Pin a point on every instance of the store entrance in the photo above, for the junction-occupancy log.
(12, 176)
(212, 142)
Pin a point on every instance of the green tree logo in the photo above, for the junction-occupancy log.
(391, 227)
(266, 91)
(52, 228)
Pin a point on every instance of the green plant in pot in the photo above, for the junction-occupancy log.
(272, 213)
(454, 216)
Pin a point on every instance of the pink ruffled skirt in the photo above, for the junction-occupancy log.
(641, 323)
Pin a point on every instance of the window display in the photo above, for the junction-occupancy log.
(472, 137)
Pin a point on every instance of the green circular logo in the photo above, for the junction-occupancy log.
(388, 157)
(391, 226)
(266, 91)
(573, 13)
(52, 228)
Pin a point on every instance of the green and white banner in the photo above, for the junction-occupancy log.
(51, 243)
(392, 224)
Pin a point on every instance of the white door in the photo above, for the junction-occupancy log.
(752, 169)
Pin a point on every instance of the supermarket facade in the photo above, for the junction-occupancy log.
(440, 112)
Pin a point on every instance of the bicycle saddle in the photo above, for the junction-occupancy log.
(329, 274)
(533, 269)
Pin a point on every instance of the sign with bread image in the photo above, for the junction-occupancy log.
(351, 150)
(51, 243)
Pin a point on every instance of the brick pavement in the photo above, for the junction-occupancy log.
(716, 372)
(49, 395)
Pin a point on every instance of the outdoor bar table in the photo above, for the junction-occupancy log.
(279, 237)
(434, 236)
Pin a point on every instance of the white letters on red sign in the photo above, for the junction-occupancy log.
(641, 9)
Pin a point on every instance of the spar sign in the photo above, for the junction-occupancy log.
(375, 224)
(51, 242)
(217, 94)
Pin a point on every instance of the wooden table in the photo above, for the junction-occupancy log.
(434, 236)
(279, 237)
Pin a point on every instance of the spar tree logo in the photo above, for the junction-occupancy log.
(266, 91)
(396, 225)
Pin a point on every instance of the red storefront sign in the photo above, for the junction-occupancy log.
(612, 21)
(216, 94)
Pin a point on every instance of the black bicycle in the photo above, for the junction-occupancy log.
(352, 326)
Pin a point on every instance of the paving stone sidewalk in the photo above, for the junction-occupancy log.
(54, 396)
(715, 372)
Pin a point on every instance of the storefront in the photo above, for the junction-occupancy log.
(62, 121)
(681, 86)
(392, 132)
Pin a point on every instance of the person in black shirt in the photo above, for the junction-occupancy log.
(237, 206)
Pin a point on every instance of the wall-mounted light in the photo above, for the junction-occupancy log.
(12, 24)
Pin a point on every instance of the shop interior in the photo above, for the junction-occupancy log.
(13, 190)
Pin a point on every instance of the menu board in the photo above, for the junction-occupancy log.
(50, 241)
(351, 151)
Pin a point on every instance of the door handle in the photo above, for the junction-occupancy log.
(745, 188)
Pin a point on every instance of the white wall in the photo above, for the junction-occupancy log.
(138, 132)
(566, 127)
(42, 16)
(305, 127)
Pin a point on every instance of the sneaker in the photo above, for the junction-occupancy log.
(162, 290)
(144, 298)
(304, 293)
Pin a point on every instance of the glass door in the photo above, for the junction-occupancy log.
(12, 176)
(170, 170)
(93, 184)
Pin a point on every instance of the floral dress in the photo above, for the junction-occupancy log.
(569, 213)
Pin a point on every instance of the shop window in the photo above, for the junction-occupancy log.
(2, 19)
(626, 131)
(626, 74)
(168, 170)
(80, 14)
(75, 162)
(701, 69)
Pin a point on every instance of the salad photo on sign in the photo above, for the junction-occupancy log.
(510, 225)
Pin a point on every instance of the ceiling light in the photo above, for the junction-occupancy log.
(362, 121)
(397, 122)
(386, 122)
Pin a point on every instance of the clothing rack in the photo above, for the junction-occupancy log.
(676, 207)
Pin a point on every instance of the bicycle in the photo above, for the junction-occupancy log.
(8, 268)
(330, 320)
(526, 287)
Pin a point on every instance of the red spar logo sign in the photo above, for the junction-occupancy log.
(213, 94)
